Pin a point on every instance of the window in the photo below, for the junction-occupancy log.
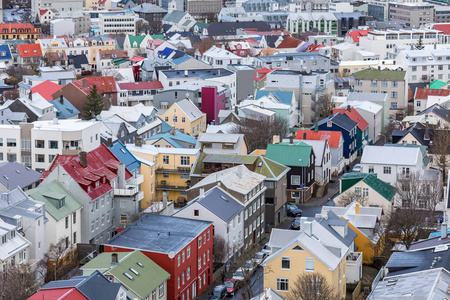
(166, 159)
(74, 237)
(394, 94)
(39, 144)
(386, 170)
(309, 264)
(40, 158)
(123, 219)
(394, 105)
(53, 144)
(285, 263)
(199, 241)
(384, 83)
(365, 192)
(175, 119)
(199, 262)
(196, 212)
(405, 172)
(161, 290)
(395, 83)
(370, 169)
(283, 284)
(179, 259)
(183, 120)
(185, 160)
(92, 226)
(67, 222)
(295, 180)
(358, 191)
(188, 251)
(374, 83)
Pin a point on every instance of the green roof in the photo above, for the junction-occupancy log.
(375, 74)
(50, 194)
(437, 84)
(119, 61)
(158, 37)
(150, 274)
(386, 190)
(136, 38)
(102, 262)
(297, 155)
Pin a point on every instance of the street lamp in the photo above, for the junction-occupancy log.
(54, 268)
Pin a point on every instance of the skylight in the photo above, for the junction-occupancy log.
(140, 264)
(134, 271)
(128, 276)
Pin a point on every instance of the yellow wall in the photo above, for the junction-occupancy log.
(366, 246)
(148, 185)
(55, 46)
(273, 270)
(187, 126)
(109, 45)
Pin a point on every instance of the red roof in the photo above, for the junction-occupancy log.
(101, 164)
(333, 137)
(313, 48)
(29, 50)
(19, 27)
(142, 85)
(105, 84)
(58, 294)
(251, 41)
(289, 42)
(137, 58)
(354, 115)
(42, 11)
(261, 74)
(445, 28)
(424, 93)
(356, 34)
(46, 89)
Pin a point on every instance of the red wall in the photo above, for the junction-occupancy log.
(212, 104)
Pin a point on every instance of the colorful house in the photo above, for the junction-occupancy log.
(186, 117)
(362, 132)
(19, 31)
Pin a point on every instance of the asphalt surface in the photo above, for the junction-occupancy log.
(8, 16)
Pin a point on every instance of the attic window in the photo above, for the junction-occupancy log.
(6, 177)
(25, 51)
(17, 171)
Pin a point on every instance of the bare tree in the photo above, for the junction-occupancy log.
(349, 197)
(259, 132)
(18, 283)
(440, 150)
(140, 24)
(323, 107)
(155, 27)
(204, 44)
(418, 200)
(311, 286)
(220, 251)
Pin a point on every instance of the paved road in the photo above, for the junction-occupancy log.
(8, 17)
(257, 285)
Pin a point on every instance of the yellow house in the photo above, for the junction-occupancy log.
(52, 44)
(97, 43)
(307, 254)
(19, 31)
(186, 117)
(169, 176)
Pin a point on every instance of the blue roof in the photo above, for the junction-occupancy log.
(340, 120)
(64, 110)
(221, 204)
(174, 139)
(182, 59)
(284, 97)
(125, 156)
(438, 233)
(5, 52)
(165, 52)
(165, 127)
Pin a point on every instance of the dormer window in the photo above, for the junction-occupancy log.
(3, 239)
(19, 223)
(97, 183)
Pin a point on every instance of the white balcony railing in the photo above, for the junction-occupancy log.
(136, 180)
(128, 191)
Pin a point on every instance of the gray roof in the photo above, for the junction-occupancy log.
(174, 16)
(16, 202)
(148, 8)
(230, 28)
(199, 73)
(157, 233)
(366, 97)
(293, 56)
(220, 203)
(340, 120)
(13, 174)
(190, 109)
(430, 243)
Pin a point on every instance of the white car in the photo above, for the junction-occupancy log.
(239, 275)
(357, 168)
(250, 267)
(259, 257)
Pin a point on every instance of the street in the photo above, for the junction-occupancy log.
(257, 285)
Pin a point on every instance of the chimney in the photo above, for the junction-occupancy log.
(84, 83)
(202, 193)
(349, 108)
(114, 259)
(261, 104)
(307, 228)
(357, 208)
(172, 131)
(316, 127)
(427, 132)
(236, 110)
(304, 135)
(83, 159)
(218, 73)
(61, 99)
(443, 230)
(138, 142)
(121, 176)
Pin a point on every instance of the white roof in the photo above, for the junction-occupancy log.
(217, 52)
(14, 245)
(432, 120)
(402, 156)
(152, 150)
(224, 128)
(280, 237)
(257, 110)
(263, 102)
(190, 109)
(219, 138)
(149, 126)
(128, 113)
(66, 125)
(363, 105)
(318, 148)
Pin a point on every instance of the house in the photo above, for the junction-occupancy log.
(374, 191)
(224, 211)
(6, 59)
(224, 143)
(300, 158)
(19, 31)
(219, 57)
(29, 217)
(347, 127)
(182, 247)
(289, 44)
(132, 93)
(322, 161)
(150, 12)
(262, 107)
(98, 179)
(58, 59)
(381, 99)
(186, 117)
(99, 43)
(141, 276)
(177, 21)
(63, 211)
(436, 115)
(12, 118)
(249, 189)
(15, 249)
(421, 97)
(95, 286)
(391, 165)
(80, 63)
(64, 109)
(136, 44)
(366, 222)
(29, 54)
(189, 63)
(45, 16)
(172, 139)
(362, 131)
(275, 195)
(78, 91)
(108, 59)
(239, 48)
(16, 175)
(325, 246)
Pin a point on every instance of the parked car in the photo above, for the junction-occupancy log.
(267, 249)
(259, 257)
(357, 168)
(232, 286)
(296, 224)
(250, 267)
(219, 293)
(238, 275)
(293, 210)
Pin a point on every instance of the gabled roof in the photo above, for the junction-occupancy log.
(141, 85)
(148, 8)
(174, 16)
(105, 84)
(284, 97)
(333, 137)
(386, 190)
(445, 28)
(354, 115)
(438, 84)
(174, 138)
(190, 110)
(437, 110)
(112, 54)
(424, 93)
(50, 194)
(406, 156)
(125, 156)
(292, 155)
(14, 174)
(356, 34)
(375, 74)
(341, 121)
(64, 109)
(5, 51)
(78, 60)
(138, 39)
(29, 50)
(59, 294)
(289, 42)
(261, 74)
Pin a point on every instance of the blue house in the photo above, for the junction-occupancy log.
(131, 163)
(347, 127)
(65, 109)
(5, 55)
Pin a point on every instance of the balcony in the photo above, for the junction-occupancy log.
(177, 170)
(128, 191)
(354, 266)
(136, 180)
(162, 185)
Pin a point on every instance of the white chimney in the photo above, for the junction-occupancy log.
(202, 193)
(443, 230)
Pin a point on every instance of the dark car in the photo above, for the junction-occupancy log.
(296, 224)
(232, 286)
(219, 293)
(293, 210)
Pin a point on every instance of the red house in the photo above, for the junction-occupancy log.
(212, 102)
(182, 247)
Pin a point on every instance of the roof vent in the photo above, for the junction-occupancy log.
(440, 248)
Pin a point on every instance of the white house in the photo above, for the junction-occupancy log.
(61, 27)
(226, 213)
(219, 57)
(178, 21)
(14, 249)
(391, 164)
(323, 160)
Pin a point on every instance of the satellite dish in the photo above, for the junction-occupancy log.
(171, 254)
